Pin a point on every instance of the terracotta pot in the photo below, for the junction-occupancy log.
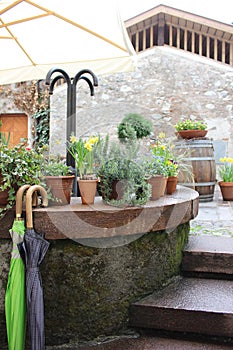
(192, 134)
(171, 184)
(116, 192)
(226, 190)
(87, 190)
(61, 188)
(164, 186)
(158, 186)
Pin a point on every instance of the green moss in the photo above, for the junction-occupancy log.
(88, 290)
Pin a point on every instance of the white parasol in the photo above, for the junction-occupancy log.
(36, 36)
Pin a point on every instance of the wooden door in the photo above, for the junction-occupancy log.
(17, 125)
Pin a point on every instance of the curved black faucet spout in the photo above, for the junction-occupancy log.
(71, 103)
(85, 71)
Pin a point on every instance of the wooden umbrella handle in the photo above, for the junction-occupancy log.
(19, 200)
(31, 190)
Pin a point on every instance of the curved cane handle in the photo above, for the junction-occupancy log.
(29, 194)
(19, 200)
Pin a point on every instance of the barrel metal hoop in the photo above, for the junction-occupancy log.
(195, 146)
(212, 183)
(199, 158)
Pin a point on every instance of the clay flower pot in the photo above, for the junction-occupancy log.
(158, 186)
(61, 188)
(226, 190)
(192, 134)
(171, 184)
(87, 190)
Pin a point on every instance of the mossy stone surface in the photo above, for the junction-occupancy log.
(88, 290)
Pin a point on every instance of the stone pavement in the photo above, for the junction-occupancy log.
(150, 343)
(214, 218)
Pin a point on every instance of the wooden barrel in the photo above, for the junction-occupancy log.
(201, 157)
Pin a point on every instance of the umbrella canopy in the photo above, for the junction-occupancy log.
(33, 250)
(36, 36)
(15, 303)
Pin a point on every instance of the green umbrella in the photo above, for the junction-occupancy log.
(15, 302)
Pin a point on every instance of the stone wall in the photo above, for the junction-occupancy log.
(167, 84)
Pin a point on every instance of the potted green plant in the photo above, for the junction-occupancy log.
(58, 178)
(163, 164)
(123, 177)
(83, 151)
(19, 165)
(134, 126)
(226, 175)
(172, 170)
(188, 128)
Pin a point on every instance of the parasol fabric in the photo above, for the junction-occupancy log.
(15, 302)
(33, 250)
(36, 36)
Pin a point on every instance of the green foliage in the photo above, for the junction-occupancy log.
(123, 165)
(189, 124)
(42, 127)
(4, 139)
(226, 170)
(19, 165)
(82, 151)
(134, 126)
(55, 166)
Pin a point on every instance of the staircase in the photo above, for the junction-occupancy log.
(200, 301)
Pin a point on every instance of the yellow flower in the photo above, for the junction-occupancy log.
(93, 140)
(161, 135)
(73, 139)
(88, 146)
(226, 160)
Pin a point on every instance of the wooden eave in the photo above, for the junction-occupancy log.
(182, 19)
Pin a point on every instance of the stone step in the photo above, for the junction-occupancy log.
(193, 305)
(208, 255)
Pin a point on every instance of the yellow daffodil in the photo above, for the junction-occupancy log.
(93, 140)
(88, 146)
(73, 139)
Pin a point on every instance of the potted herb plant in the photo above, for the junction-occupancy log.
(123, 177)
(58, 178)
(226, 175)
(188, 128)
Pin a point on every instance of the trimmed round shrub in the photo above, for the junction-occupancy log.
(134, 126)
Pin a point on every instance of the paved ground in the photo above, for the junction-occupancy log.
(151, 343)
(214, 218)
